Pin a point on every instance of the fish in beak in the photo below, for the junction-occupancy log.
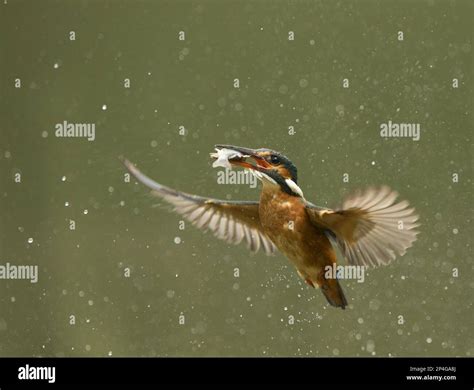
(228, 155)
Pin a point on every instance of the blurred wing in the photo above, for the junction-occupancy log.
(231, 221)
(370, 229)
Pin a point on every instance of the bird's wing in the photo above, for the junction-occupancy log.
(371, 228)
(232, 221)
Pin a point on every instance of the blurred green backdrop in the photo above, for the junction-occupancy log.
(190, 83)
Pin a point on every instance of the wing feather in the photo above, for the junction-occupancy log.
(370, 229)
(227, 220)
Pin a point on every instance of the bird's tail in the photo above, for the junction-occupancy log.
(332, 290)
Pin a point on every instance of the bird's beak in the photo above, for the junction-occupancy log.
(260, 162)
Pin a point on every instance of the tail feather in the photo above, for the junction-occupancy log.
(332, 290)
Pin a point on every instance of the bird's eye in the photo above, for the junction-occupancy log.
(275, 159)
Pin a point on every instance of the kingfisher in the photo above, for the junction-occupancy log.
(370, 228)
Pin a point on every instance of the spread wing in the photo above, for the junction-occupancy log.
(233, 221)
(371, 228)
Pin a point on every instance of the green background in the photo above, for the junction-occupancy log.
(282, 83)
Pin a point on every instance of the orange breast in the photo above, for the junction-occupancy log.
(285, 221)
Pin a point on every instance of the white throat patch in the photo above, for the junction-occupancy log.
(294, 187)
(290, 183)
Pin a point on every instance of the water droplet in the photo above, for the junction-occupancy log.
(370, 346)
(44, 134)
(66, 204)
(303, 83)
(221, 102)
(63, 178)
(340, 109)
(374, 304)
(3, 325)
(56, 65)
(104, 107)
(283, 89)
(177, 240)
(429, 340)
(30, 240)
(86, 211)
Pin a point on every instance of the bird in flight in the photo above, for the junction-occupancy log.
(370, 228)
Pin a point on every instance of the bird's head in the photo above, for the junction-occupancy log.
(267, 165)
